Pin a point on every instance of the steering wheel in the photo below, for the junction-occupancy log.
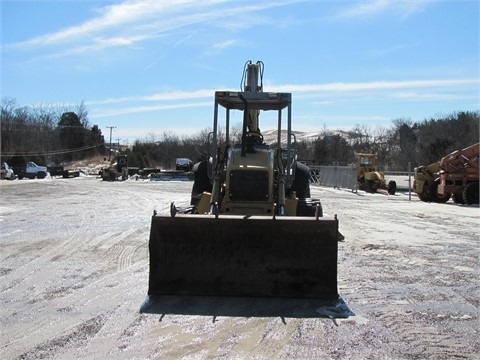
(254, 137)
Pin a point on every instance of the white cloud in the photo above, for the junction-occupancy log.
(403, 8)
(140, 109)
(223, 45)
(410, 90)
(302, 88)
(217, 48)
(133, 21)
(373, 85)
(412, 95)
(164, 96)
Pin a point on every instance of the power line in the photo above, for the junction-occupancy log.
(55, 152)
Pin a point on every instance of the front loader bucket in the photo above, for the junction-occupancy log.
(243, 256)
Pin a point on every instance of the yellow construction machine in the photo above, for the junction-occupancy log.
(426, 181)
(116, 170)
(454, 176)
(251, 228)
(369, 178)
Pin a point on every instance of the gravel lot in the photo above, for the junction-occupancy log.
(74, 276)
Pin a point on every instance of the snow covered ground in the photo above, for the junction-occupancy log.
(74, 275)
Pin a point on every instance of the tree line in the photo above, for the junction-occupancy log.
(59, 135)
(52, 135)
(405, 142)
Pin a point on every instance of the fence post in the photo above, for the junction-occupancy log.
(409, 181)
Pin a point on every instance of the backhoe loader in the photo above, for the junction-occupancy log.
(251, 228)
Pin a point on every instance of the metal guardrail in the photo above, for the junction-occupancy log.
(346, 177)
(334, 176)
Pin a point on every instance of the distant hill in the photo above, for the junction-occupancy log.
(270, 136)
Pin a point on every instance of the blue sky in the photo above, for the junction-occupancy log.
(149, 67)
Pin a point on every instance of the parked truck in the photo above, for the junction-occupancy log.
(183, 164)
(31, 171)
(183, 172)
(7, 172)
(59, 170)
(455, 176)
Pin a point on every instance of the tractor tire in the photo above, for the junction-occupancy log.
(41, 175)
(392, 187)
(458, 198)
(301, 183)
(370, 186)
(436, 197)
(201, 182)
(470, 193)
(424, 195)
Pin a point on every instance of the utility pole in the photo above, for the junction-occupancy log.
(110, 150)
